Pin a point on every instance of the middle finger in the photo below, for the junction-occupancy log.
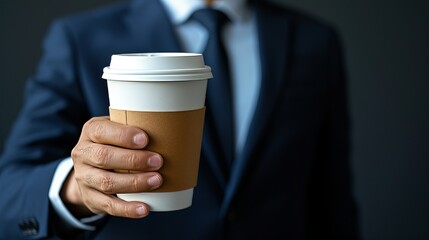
(114, 158)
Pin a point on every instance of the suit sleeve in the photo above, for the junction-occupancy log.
(44, 133)
(332, 186)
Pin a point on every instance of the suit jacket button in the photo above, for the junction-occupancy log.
(29, 227)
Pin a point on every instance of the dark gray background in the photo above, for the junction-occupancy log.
(387, 53)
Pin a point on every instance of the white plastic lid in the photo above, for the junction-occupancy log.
(157, 67)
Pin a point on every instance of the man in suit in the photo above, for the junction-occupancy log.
(282, 172)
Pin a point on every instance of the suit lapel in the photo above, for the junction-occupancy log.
(274, 40)
(274, 34)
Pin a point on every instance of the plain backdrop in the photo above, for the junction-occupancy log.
(387, 57)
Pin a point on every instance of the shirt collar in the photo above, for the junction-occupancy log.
(181, 10)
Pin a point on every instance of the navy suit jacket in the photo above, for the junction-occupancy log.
(292, 180)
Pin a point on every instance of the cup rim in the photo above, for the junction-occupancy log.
(160, 54)
(157, 75)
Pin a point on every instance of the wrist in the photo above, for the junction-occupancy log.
(71, 197)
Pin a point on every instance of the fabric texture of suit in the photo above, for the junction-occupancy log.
(291, 182)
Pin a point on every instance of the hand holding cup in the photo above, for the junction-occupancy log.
(103, 147)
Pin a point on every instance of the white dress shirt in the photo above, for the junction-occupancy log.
(242, 48)
(240, 39)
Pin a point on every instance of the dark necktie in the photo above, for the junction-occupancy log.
(219, 94)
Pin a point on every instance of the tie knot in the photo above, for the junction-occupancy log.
(213, 20)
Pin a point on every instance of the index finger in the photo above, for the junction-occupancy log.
(103, 131)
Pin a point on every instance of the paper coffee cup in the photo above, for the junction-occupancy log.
(163, 94)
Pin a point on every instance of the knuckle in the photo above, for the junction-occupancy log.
(106, 184)
(101, 156)
(137, 183)
(95, 129)
(79, 150)
(133, 162)
(88, 124)
(75, 153)
(108, 206)
(123, 135)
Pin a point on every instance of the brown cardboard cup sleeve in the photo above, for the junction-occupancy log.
(177, 136)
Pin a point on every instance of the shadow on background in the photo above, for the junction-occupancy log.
(387, 52)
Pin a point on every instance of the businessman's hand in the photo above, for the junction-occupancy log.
(103, 147)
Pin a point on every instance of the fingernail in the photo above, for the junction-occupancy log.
(154, 181)
(140, 139)
(141, 211)
(154, 161)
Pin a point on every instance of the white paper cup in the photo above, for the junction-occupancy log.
(141, 84)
